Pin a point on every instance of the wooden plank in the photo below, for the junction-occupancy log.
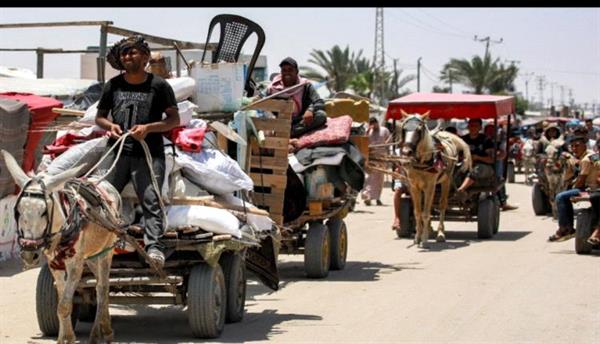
(274, 105)
(276, 143)
(278, 163)
(70, 23)
(209, 202)
(280, 126)
(269, 199)
(161, 40)
(315, 207)
(269, 180)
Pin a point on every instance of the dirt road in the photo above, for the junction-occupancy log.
(516, 287)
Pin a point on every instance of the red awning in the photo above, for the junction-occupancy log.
(448, 105)
(41, 116)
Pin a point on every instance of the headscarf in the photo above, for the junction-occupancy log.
(114, 55)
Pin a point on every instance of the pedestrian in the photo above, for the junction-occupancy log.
(136, 100)
(374, 183)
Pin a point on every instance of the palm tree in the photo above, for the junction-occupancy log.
(505, 80)
(479, 74)
(338, 65)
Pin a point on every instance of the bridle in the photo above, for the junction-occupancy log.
(44, 240)
(417, 129)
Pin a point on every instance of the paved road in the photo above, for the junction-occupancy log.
(515, 288)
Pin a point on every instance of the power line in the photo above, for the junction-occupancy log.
(567, 72)
(405, 20)
(431, 26)
(447, 24)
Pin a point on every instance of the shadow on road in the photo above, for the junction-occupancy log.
(363, 212)
(460, 239)
(595, 253)
(254, 326)
(353, 272)
(10, 267)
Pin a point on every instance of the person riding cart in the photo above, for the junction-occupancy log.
(136, 101)
(584, 171)
(309, 109)
(482, 154)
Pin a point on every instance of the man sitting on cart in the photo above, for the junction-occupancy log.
(500, 155)
(309, 109)
(482, 150)
(583, 166)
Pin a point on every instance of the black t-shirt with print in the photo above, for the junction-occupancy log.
(143, 103)
(478, 145)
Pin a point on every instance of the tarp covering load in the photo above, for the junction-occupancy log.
(14, 122)
(8, 229)
(41, 116)
(448, 105)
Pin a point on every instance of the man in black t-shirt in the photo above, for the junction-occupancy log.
(136, 101)
(482, 150)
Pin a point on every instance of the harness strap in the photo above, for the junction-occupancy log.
(101, 253)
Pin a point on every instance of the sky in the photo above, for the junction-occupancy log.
(560, 45)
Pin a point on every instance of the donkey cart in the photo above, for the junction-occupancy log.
(481, 203)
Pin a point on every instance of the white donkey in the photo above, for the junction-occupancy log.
(418, 147)
(529, 157)
(42, 225)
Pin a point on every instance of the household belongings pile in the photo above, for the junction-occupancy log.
(326, 164)
(23, 117)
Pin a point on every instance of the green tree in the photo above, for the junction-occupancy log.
(479, 73)
(337, 64)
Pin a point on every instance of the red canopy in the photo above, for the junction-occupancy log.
(448, 105)
(41, 116)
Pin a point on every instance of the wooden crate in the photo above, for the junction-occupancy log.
(268, 164)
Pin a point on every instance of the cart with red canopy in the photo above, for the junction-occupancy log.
(482, 204)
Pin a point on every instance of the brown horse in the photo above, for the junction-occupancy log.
(42, 226)
(418, 148)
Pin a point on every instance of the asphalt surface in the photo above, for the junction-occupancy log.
(514, 288)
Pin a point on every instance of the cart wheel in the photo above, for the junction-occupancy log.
(539, 200)
(46, 303)
(339, 243)
(407, 219)
(486, 217)
(234, 270)
(510, 173)
(583, 230)
(206, 301)
(87, 312)
(316, 251)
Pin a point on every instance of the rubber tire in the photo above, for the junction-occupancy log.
(46, 303)
(583, 230)
(486, 218)
(87, 312)
(234, 271)
(497, 216)
(338, 236)
(316, 251)
(510, 173)
(206, 301)
(538, 200)
(408, 225)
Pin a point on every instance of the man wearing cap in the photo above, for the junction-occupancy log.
(309, 108)
(136, 101)
(584, 171)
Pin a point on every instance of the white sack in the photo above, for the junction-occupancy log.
(183, 87)
(212, 170)
(210, 219)
(87, 152)
(260, 222)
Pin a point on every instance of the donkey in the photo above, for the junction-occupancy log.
(554, 168)
(417, 145)
(41, 222)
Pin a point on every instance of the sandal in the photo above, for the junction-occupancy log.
(594, 239)
(562, 235)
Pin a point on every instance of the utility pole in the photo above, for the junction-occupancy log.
(571, 100)
(395, 77)
(552, 93)
(419, 74)
(527, 75)
(540, 79)
(562, 95)
(487, 43)
(379, 54)
(450, 78)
